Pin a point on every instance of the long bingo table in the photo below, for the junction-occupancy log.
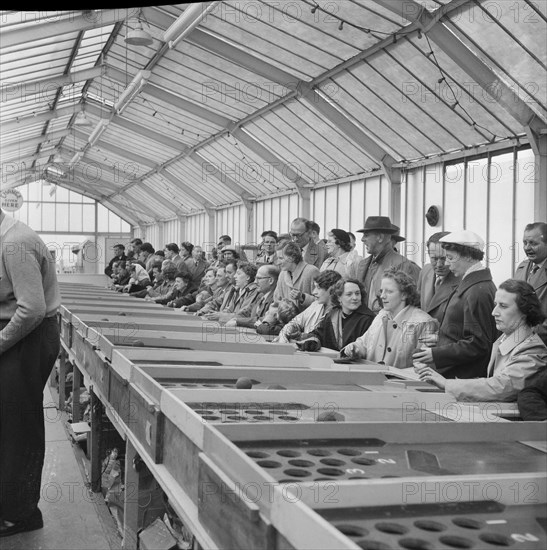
(259, 446)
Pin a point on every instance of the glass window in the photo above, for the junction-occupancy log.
(62, 217)
(102, 219)
(88, 217)
(48, 220)
(62, 194)
(75, 212)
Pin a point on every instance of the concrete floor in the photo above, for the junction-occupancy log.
(74, 517)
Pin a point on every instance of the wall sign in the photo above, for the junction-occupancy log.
(11, 200)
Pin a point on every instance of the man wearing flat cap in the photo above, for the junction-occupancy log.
(119, 255)
(467, 330)
(378, 236)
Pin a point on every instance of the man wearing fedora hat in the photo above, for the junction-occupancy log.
(467, 330)
(378, 235)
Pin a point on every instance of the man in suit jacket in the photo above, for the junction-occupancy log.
(379, 235)
(296, 278)
(266, 281)
(267, 253)
(436, 282)
(468, 329)
(534, 269)
(119, 255)
(313, 253)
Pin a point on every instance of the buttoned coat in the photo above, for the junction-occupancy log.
(301, 279)
(316, 253)
(519, 357)
(540, 287)
(468, 329)
(241, 303)
(258, 310)
(435, 304)
(391, 341)
(371, 271)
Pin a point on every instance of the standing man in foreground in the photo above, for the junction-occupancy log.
(534, 269)
(29, 345)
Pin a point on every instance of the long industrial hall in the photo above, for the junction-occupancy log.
(273, 276)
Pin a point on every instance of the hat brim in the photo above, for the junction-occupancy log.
(378, 230)
(398, 238)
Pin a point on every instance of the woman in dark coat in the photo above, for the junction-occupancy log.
(348, 319)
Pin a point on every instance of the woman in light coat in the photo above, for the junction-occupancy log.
(517, 355)
(396, 331)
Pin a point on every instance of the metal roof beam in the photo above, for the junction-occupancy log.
(303, 89)
(212, 170)
(466, 59)
(117, 150)
(172, 99)
(77, 21)
(140, 130)
(198, 197)
(34, 142)
(17, 124)
(17, 90)
(302, 186)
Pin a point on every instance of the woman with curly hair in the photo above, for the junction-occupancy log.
(517, 355)
(344, 322)
(396, 331)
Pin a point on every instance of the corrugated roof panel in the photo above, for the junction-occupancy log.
(194, 176)
(478, 104)
(524, 54)
(369, 111)
(189, 203)
(251, 171)
(314, 147)
(144, 216)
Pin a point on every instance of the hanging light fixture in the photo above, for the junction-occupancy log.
(81, 119)
(138, 36)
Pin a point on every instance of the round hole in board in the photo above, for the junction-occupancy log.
(497, 539)
(301, 463)
(349, 452)
(352, 530)
(295, 472)
(332, 462)
(391, 527)
(257, 454)
(429, 525)
(210, 417)
(288, 452)
(319, 452)
(363, 461)
(288, 418)
(416, 544)
(456, 542)
(330, 471)
(269, 463)
(467, 523)
(372, 545)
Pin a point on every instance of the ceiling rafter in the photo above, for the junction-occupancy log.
(453, 47)
(74, 22)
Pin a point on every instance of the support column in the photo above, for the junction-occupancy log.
(62, 378)
(305, 203)
(76, 383)
(210, 236)
(94, 442)
(131, 501)
(250, 237)
(183, 235)
(539, 146)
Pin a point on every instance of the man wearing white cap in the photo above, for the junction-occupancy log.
(468, 329)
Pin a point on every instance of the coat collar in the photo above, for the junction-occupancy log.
(474, 278)
(511, 341)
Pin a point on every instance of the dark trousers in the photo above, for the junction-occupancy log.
(24, 371)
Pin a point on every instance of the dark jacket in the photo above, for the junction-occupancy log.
(468, 329)
(108, 268)
(325, 335)
(532, 400)
(540, 287)
(435, 304)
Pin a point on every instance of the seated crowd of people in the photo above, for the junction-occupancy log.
(447, 320)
